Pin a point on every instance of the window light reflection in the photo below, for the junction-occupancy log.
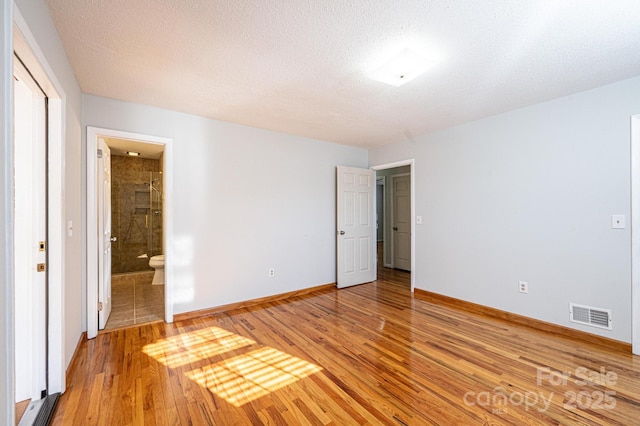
(246, 377)
(182, 349)
(240, 379)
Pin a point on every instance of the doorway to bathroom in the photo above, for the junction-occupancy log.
(129, 225)
(136, 233)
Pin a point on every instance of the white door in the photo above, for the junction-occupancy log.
(402, 222)
(356, 226)
(30, 230)
(104, 240)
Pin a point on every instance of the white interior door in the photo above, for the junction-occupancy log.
(356, 226)
(402, 222)
(30, 230)
(104, 228)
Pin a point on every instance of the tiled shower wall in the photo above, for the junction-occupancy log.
(136, 213)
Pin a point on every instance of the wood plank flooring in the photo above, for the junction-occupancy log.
(21, 407)
(370, 354)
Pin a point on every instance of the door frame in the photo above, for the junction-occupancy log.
(26, 46)
(93, 133)
(635, 233)
(411, 163)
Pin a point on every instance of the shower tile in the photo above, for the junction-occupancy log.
(128, 217)
(144, 277)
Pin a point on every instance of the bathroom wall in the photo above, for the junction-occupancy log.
(135, 219)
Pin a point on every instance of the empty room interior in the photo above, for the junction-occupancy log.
(336, 212)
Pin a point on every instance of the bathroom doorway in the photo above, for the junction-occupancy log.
(130, 223)
(136, 233)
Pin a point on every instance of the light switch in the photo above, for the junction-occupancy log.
(419, 220)
(617, 221)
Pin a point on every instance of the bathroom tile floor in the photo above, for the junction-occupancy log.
(134, 300)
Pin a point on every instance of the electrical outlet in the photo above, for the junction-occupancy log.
(617, 221)
(272, 272)
(523, 287)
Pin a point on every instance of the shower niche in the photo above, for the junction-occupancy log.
(136, 210)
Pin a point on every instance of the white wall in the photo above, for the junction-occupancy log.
(41, 26)
(7, 403)
(244, 200)
(528, 195)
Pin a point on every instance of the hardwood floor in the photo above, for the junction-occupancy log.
(370, 354)
(21, 407)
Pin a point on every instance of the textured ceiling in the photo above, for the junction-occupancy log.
(300, 67)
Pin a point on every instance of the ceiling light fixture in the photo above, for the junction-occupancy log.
(133, 153)
(402, 68)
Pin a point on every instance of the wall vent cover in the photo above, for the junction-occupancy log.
(588, 315)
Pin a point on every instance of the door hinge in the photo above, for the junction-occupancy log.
(99, 153)
(99, 306)
(41, 267)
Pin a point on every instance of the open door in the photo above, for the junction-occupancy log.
(104, 240)
(356, 240)
(30, 230)
(401, 222)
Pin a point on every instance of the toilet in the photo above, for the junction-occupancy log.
(157, 263)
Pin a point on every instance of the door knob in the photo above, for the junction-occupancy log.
(341, 232)
(113, 239)
(395, 228)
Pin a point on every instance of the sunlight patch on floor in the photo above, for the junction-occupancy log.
(246, 377)
(242, 378)
(193, 346)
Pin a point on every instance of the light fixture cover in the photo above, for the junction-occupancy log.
(401, 69)
(133, 153)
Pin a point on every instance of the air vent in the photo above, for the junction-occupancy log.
(588, 315)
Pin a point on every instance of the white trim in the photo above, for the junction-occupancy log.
(412, 172)
(635, 233)
(7, 379)
(30, 53)
(92, 225)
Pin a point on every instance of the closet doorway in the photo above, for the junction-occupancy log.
(395, 219)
